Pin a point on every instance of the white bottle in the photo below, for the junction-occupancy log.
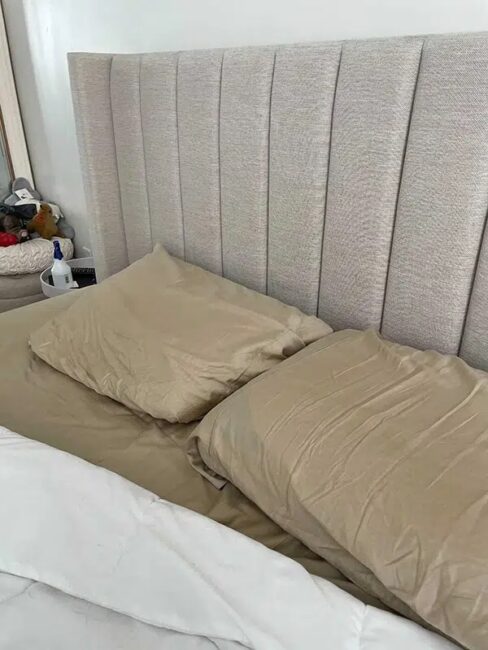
(61, 271)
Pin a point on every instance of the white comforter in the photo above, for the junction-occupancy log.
(90, 561)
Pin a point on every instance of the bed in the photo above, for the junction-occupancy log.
(349, 179)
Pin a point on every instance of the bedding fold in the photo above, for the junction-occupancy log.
(171, 340)
(110, 557)
(375, 455)
(47, 406)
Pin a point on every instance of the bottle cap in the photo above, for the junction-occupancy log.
(58, 255)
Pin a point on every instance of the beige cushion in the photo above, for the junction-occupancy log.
(170, 339)
(20, 286)
(7, 304)
(19, 290)
(376, 456)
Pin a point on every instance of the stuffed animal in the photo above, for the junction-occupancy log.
(43, 223)
(7, 239)
(25, 202)
(21, 189)
(12, 224)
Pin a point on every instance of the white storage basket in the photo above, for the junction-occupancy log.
(51, 292)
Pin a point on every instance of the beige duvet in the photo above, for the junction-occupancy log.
(41, 403)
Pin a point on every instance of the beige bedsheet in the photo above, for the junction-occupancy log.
(41, 403)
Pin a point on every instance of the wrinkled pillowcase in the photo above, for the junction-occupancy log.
(375, 455)
(167, 338)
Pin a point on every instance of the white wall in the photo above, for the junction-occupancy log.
(41, 32)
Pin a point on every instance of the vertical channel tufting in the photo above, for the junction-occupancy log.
(443, 196)
(301, 109)
(90, 86)
(159, 125)
(153, 130)
(198, 102)
(244, 134)
(129, 145)
(474, 345)
(370, 122)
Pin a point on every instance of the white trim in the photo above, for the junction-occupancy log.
(10, 110)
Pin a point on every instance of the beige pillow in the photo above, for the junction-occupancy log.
(170, 339)
(375, 455)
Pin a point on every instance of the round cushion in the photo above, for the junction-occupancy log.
(32, 256)
(19, 290)
(6, 304)
(20, 286)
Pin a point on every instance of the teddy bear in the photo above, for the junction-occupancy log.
(43, 223)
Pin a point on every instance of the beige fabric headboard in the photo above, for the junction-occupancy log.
(347, 178)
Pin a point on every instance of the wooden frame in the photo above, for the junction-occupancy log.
(17, 153)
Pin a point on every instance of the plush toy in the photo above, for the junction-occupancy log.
(12, 224)
(21, 189)
(25, 201)
(7, 239)
(43, 223)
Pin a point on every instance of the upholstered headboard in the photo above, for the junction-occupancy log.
(347, 178)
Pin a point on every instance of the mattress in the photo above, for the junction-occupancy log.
(43, 404)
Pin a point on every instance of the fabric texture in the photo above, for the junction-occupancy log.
(302, 101)
(32, 256)
(474, 348)
(19, 290)
(443, 197)
(157, 86)
(373, 103)
(375, 456)
(90, 87)
(125, 95)
(244, 120)
(198, 107)
(7, 304)
(20, 286)
(170, 339)
(348, 179)
(142, 578)
(65, 414)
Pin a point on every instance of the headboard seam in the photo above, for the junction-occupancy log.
(473, 279)
(116, 157)
(402, 164)
(144, 152)
(219, 126)
(269, 170)
(178, 54)
(331, 129)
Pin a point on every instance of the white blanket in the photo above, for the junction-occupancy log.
(89, 560)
